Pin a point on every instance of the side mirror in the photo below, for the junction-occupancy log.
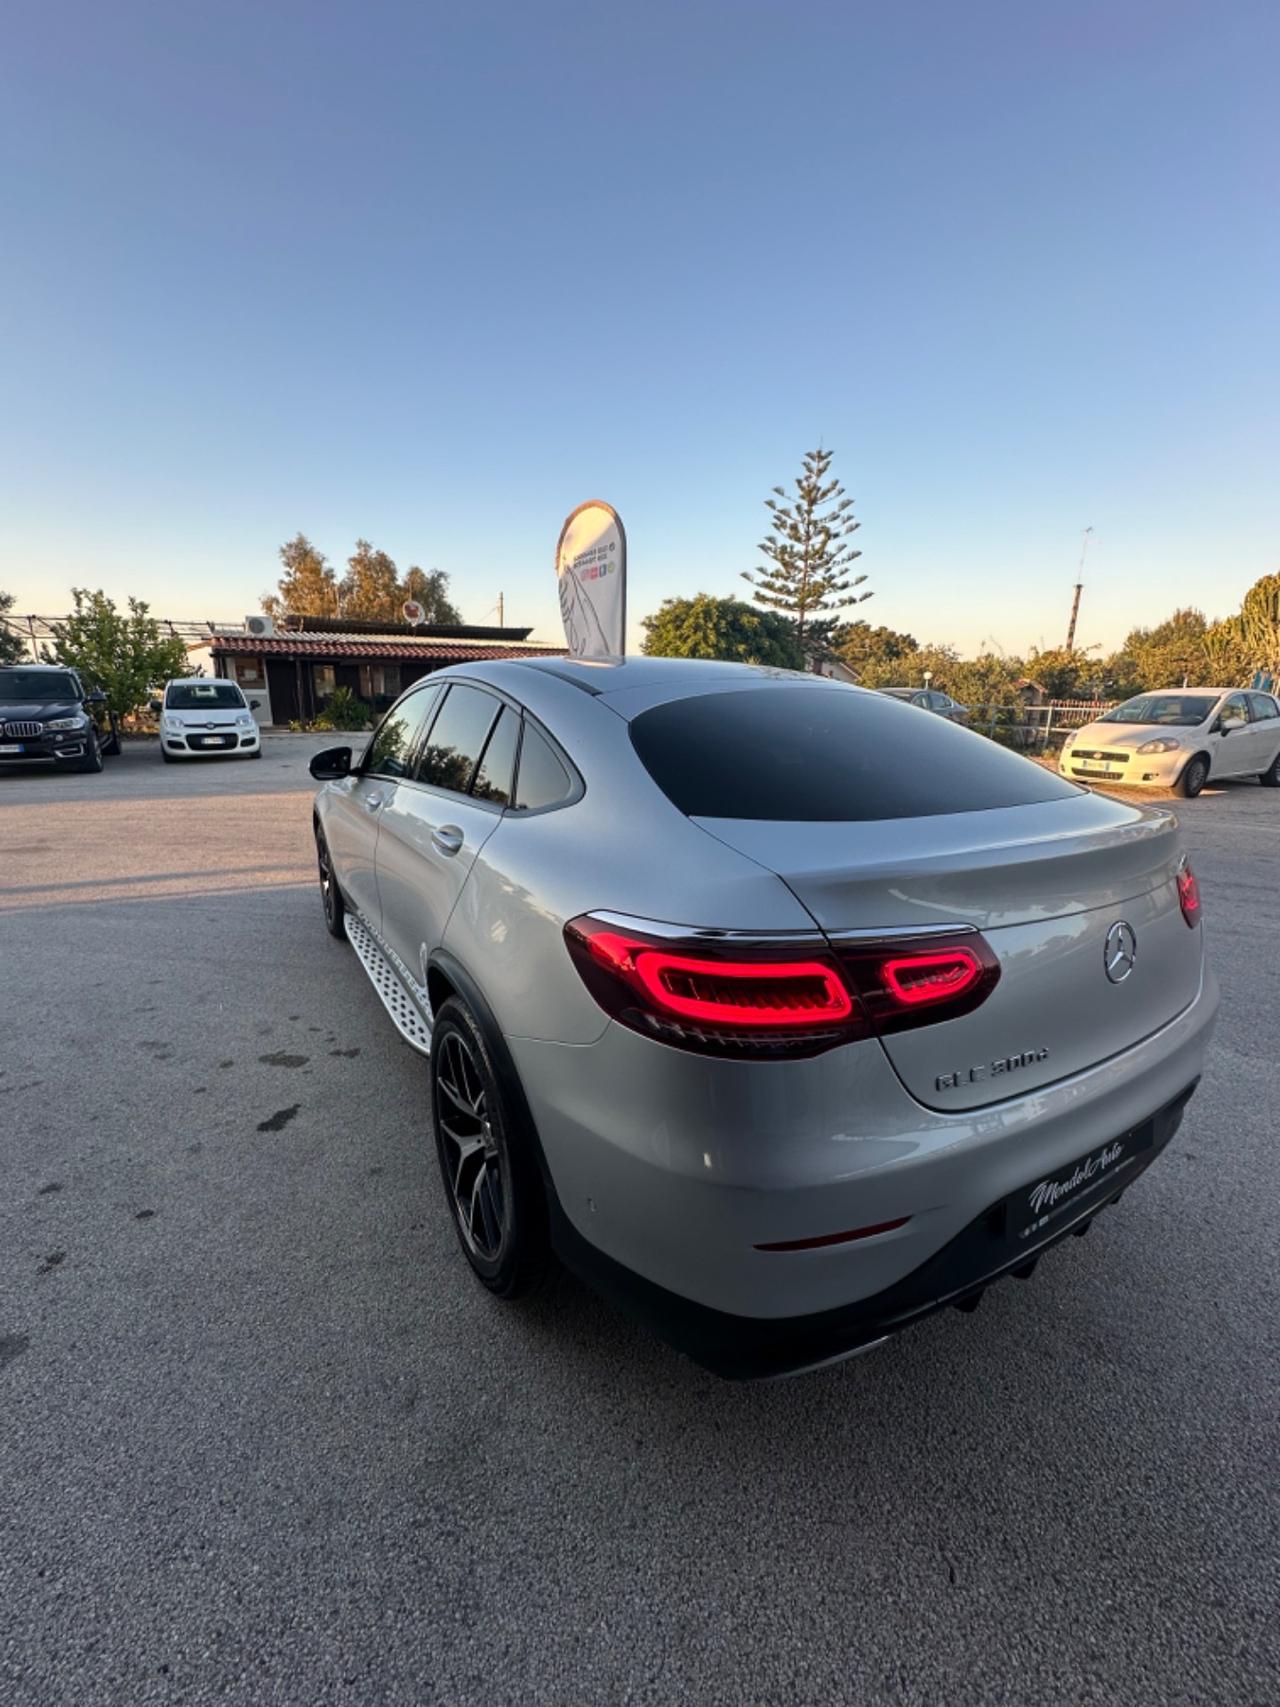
(97, 697)
(254, 704)
(331, 765)
(155, 705)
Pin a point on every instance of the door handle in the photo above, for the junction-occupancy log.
(372, 802)
(448, 838)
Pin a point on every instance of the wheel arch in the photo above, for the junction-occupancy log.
(446, 976)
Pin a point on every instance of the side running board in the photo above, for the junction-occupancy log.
(407, 1016)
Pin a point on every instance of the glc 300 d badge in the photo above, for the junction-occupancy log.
(989, 1069)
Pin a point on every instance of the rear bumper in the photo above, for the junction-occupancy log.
(986, 1250)
(692, 1173)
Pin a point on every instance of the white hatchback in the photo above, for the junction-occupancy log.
(202, 716)
(1179, 738)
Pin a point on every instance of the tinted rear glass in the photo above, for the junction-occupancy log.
(493, 779)
(457, 738)
(799, 753)
(542, 780)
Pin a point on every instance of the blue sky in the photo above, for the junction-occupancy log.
(434, 275)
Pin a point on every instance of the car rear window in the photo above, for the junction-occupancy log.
(821, 754)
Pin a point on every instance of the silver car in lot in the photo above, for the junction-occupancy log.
(782, 1014)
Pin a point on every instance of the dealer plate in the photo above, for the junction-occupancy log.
(1035, 1208)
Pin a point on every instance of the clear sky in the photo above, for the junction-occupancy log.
(435, 274)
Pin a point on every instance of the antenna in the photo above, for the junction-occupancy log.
(1075, 603)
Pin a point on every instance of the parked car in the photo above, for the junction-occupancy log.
(929, 699)
(784, 1016)
(1180, 738)
(49, 717)
(202, 716)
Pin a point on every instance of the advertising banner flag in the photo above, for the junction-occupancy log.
(591, 569)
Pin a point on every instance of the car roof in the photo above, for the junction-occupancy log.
(197, 681)
(1145, 693)
(611, 675)
(20, 664)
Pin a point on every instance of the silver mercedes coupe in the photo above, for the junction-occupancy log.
(782, 1012)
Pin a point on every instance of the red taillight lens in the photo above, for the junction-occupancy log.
(756, 999)
(765, 994)
(917, 979)
(1189, 894)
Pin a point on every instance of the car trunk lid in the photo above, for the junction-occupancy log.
(1045, 884)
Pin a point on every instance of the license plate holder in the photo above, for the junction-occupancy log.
(1100, 770)
(1091, 1178)
(13, 747)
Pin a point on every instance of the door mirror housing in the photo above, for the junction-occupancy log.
(96, 697)
(156, 706)
(254, 704)
(331, 765)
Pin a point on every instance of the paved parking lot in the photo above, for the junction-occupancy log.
(262, 1439)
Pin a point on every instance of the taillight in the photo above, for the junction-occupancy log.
(756, 999)
(1188, 893)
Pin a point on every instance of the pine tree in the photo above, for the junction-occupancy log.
(808, 572)
(308, 586)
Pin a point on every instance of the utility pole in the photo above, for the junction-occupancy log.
(500, 610)
(1075, 603)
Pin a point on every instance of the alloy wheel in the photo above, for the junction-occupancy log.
(326, 878)
(469, 1149)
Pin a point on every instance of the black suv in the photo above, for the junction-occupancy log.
(48, 716)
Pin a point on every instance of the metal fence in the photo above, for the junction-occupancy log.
(1035, 728)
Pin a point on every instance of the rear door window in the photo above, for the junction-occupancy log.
(792, 752)
(1264, 707)
(497, 765)
(457, 738)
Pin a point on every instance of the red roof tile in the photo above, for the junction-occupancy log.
(367, 646)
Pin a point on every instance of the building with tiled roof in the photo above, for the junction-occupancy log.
(294, 667)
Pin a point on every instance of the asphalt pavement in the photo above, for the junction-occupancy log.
(263, 1439)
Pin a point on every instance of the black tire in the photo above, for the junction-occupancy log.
(1270, 778)
(165, 754)
(335, 907)
(256, 753)
(1195, 773)
(92, 759)
(111, 746)
(494, 1192)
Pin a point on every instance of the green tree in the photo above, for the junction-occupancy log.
(127, 656)
(1063, 674)
(879, 657)
(1227, 656)
(707, 627)
(987, 680)
(1161, 657)
(431, 589)
(1259, 626)
(370, 590)
(308, 586)
(808, 572)
(12, 650)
